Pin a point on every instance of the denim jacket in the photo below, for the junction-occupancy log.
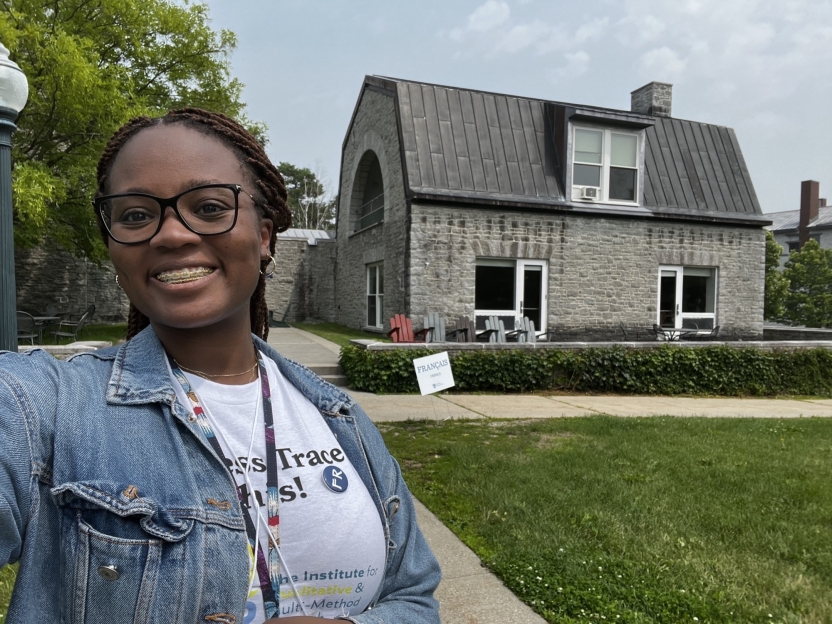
(119, 511)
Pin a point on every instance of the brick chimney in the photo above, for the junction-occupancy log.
(654, 98)
(809, 204)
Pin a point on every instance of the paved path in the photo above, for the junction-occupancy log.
(469, 594)
(397, 407)
(303, 347)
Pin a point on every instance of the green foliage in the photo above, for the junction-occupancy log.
(777, 286)
(637, 520)
(381, 371)
(809, 273)
(667, 369)
(307, 198)
(91, 66)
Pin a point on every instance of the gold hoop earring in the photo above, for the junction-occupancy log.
(273, 263)
(118, 283)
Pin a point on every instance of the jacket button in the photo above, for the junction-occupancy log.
(108, 572)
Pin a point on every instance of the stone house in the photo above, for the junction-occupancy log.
(793, 228)
(579, 217)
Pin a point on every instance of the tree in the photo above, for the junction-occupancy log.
(92, 65)
(311, 208)
(777, 286)
(809, 273)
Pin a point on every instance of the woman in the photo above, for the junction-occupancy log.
(193, 474)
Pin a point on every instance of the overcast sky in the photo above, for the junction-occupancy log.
(762, 67)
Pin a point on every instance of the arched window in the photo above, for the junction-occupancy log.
(368, 193)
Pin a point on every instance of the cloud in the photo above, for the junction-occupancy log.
(523, 35)
(638, 30)
(485, 18)
(662, 64)
(488, 16)
(591, 31)
(577, 64)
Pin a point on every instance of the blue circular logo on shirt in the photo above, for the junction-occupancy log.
(335, 479)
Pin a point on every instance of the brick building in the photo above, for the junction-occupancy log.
(579, 217)
(793, 228)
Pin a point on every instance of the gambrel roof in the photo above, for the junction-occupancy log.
(470, 146)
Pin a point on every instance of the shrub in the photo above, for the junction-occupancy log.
(717, 370)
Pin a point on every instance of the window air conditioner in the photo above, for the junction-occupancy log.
(590, 192)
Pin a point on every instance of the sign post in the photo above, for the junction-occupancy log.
(434, 373)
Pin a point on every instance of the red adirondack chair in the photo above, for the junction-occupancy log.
(401, 330)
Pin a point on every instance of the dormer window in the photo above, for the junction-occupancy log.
(605, 166)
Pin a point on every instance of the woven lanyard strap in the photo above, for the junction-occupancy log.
(268, 567)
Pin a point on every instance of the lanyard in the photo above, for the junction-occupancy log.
(268, 568)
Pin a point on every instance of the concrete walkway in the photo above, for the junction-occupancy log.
(397, 407)
(469, 594)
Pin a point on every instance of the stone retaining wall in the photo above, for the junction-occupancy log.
(455, 347)
(50, 280)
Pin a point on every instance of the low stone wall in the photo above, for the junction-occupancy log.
(452, 347)
(796, 333)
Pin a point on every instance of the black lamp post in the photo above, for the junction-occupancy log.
(14, 91)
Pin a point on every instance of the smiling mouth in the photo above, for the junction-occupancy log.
(181, 276)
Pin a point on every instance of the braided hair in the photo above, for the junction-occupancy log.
(265, 176)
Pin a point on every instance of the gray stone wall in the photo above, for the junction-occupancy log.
(315, 289)
(374, 128)
(280, 287)
(600, 271)
(305, 278)
(51, 280)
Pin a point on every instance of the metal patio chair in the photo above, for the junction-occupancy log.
(71, 329)
(26, 327)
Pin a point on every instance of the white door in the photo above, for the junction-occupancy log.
(532, 292)
(687, 297)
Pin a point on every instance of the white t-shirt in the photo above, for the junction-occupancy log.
(331, 538)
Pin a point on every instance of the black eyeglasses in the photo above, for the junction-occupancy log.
(206, 210)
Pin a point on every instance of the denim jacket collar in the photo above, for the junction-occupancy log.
(140, 375)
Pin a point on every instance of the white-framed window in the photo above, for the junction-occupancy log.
(687, 297)
(605, 165)
(375, 295)
(511, 289)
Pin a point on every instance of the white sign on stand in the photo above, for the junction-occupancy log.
(434, 373)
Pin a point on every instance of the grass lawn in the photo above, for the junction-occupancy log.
(7, 576)
(638, 519)
(339, 334)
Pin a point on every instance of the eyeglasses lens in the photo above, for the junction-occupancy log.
(135, 218)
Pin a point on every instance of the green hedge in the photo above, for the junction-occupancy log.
(665, 370)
